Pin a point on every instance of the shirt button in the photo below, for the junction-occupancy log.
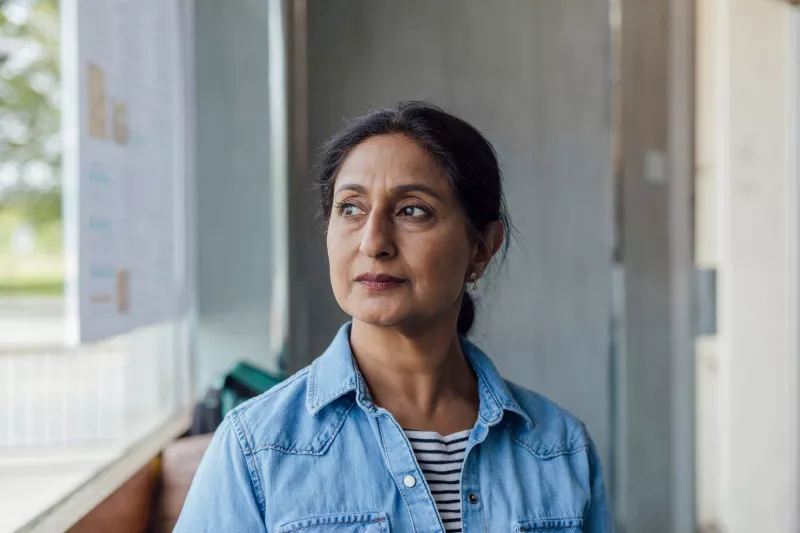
(409, 481)
(472, 498)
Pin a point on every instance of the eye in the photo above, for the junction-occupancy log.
(413, 211)
(349, 210)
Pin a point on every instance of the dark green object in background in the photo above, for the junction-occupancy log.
(245, 381)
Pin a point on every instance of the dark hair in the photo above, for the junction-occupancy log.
(468, 160)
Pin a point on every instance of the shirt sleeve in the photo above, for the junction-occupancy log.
(598, 517)
(223, 495)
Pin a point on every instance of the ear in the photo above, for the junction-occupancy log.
(488, 244)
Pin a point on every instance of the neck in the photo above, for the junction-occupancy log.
(422, 377)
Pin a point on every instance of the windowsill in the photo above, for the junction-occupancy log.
(51, 491)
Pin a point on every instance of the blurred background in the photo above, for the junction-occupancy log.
(160, 259)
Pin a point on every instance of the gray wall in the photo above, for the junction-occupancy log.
(233, 264)
(534, 77)
(657, 382)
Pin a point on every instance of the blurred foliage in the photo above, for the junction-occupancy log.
(17, 287)
(30, 148)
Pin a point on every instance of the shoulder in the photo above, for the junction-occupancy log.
(554, 431)
(278, 420)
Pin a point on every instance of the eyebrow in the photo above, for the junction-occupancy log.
(352, 187)
(400, 189)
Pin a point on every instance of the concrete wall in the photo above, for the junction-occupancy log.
(533, 77)
(233, 190)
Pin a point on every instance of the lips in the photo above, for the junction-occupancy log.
(379, 282)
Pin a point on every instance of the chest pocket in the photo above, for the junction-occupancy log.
(550, 525)
(339, 523)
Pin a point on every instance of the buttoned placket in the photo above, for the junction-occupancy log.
(403, 466)
(472, 519)
(411, 483)
(408, 476)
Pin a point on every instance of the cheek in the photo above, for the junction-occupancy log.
(339, 255)
(439, 265)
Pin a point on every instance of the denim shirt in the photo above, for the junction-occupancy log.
(316, 455)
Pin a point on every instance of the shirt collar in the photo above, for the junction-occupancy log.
(334, 374)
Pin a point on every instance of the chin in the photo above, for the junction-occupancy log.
(378, 315)
(382, 319)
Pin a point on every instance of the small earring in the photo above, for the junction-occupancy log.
(473, 278)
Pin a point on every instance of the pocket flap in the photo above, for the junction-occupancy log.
(360, 522)
(551, 525)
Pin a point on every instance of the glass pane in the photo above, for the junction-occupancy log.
(52, 394)
(65, 413)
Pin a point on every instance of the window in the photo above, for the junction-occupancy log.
(69, 417)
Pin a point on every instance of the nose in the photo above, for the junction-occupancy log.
(377, 242)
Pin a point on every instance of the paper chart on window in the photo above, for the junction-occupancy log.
(124, 121)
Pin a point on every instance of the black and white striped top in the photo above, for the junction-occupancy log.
(441, 460)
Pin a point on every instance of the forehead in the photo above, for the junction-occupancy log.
(390, 160)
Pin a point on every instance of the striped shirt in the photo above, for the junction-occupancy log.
(441, 460)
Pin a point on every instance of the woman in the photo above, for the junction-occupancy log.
(402, 424)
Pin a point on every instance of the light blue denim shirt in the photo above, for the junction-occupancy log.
(315, 455)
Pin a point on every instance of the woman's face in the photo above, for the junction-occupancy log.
(397, 239)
